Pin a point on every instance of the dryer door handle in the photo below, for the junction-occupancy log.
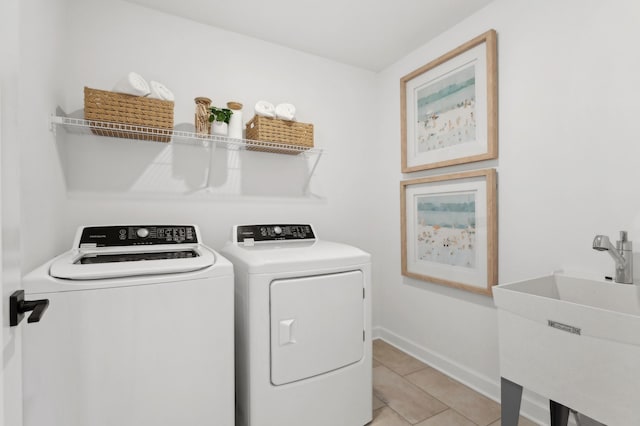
(18, 306)
(286, 332)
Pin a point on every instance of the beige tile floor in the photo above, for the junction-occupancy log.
(408, 392)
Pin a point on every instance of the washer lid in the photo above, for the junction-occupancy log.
(92, 264)
(131, 250)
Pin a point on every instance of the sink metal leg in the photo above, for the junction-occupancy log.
(559, 414)
(510, 398)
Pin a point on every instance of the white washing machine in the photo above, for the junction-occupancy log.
(303, 328)
(138, 332)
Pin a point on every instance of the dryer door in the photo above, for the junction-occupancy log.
(317, 325)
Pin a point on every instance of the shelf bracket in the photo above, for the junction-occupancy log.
(212, 156)
(53, 122)
(305, 188)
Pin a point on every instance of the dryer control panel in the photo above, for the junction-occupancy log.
(257, 233)
(114, 236)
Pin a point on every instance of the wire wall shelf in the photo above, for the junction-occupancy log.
(142, 133)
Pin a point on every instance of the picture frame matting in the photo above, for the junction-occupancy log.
(449, 230)
(449, 108)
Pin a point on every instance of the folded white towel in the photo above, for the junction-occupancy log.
(286, 112)
(132, 84)
(160, 91)
(265, 109)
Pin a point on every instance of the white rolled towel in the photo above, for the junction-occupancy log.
(160, 91)
(286, 112)
(132, 84)
(265, 109)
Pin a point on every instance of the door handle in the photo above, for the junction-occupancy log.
(18, 306)
(286, 332)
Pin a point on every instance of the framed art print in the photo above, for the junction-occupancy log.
(449, 230)
(449, 108)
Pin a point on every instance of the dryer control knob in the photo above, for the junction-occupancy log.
(142, 232)
(277, 230)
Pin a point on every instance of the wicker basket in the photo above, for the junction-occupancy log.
(128, 116)
(291, 137)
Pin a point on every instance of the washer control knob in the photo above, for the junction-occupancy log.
(142, 232)
(277, 230)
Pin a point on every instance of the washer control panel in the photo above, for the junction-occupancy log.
(256, 233)
(113, 236)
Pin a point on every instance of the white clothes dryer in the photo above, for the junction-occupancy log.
(303, 328)
(139, 331)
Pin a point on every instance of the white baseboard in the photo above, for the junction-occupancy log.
(532, 407)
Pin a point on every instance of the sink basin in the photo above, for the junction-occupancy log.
(575, 340)
(598, 308)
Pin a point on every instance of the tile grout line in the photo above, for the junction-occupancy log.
(403, 376)
(450, 407)
(420, 390)
(447, 405)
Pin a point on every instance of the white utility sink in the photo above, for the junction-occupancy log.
(574, 340)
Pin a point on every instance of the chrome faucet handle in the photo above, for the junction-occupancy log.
(624, 243)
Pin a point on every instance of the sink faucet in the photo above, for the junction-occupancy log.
(622, 254)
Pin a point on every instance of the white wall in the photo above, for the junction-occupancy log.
(567, 168)
(10, 390)
(32, 185)
(119, 181)
(42, 187)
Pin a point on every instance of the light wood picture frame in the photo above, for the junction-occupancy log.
(449, 108)
(449, 230)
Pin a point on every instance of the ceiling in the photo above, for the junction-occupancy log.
(369, 34)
